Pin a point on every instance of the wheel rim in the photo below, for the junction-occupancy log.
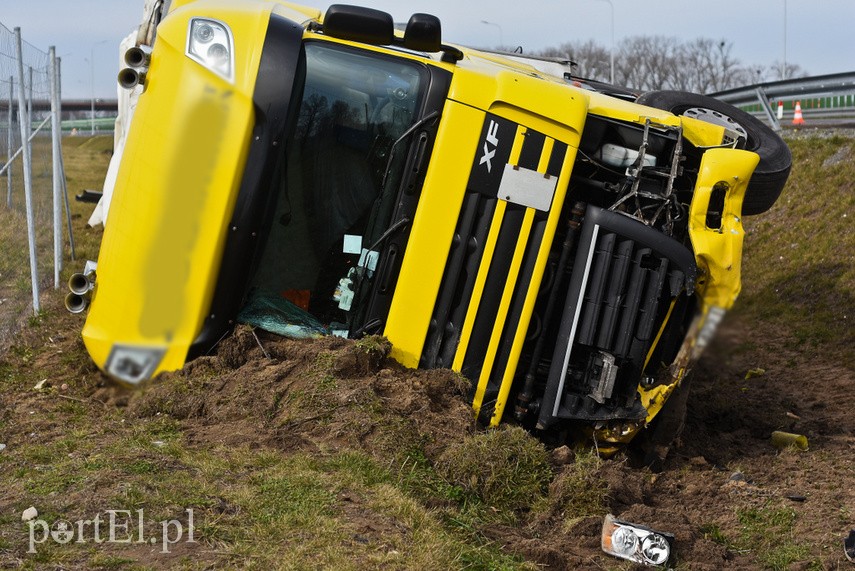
(717, 118)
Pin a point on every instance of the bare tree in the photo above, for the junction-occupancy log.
(707, 66)
(703, 65)
(591, 58)
(777, 71)
(647, 62)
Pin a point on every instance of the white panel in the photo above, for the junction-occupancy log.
(352, 244)
(527, 187)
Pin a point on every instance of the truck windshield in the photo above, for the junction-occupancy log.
(331, 205)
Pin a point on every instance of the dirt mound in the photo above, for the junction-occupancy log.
(724, 492)
(310, 395)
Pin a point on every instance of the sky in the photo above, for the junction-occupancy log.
(86, 33)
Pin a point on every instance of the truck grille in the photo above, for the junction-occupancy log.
(625, 278)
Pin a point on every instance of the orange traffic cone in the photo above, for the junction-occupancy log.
(780, 110)
(797, 116)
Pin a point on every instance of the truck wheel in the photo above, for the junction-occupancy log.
(775, 159)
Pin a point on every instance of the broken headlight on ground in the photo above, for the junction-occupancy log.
(635, 542)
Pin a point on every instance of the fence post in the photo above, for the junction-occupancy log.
(62, 164)
(56, 151)
(28, 175)
(9, 142)
(30, 106)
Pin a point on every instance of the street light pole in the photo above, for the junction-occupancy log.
(501, 37)
(92, 87)
(92, 82)
(612, 53)
(784, 71)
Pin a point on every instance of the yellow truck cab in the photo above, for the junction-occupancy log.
(568, 249)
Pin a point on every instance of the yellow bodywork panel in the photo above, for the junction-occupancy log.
(502, 313)
(718, 251)
(432, 232)
(178, 191)
(551, 108)
(294, 12)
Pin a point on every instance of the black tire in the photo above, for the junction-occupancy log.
(775, 159)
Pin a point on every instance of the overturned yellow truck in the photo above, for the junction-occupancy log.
(567, 245)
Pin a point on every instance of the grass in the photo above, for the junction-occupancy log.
(505, 468)
(305, 508)
(86, 162)
(801, 274)
(578, 491)
(713, 532)
(766, 532)
(343, 508)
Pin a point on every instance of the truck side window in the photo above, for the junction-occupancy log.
(355, 105)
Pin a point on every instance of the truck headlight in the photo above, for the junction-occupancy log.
(210, 43)
(133, 365)
(635, 542)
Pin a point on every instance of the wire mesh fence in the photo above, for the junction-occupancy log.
(37, 95)
(29, 178)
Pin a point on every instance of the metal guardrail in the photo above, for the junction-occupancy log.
(825, 97)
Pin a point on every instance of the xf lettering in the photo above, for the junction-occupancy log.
(492, 140)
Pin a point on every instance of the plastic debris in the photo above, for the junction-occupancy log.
(40, 385)
(758, 372)
(29, 514)
(783, 440)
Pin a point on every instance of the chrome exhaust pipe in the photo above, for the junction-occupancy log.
(130, 78)
(81, 284)
(138, 56)
(76, 303)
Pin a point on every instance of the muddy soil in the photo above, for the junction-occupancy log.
(326, 395)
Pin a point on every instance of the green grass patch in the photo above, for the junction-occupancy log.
(300, 498)
(713, 532)
(507, 468)
(578, 491)
(797, 269)
(767, 532)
